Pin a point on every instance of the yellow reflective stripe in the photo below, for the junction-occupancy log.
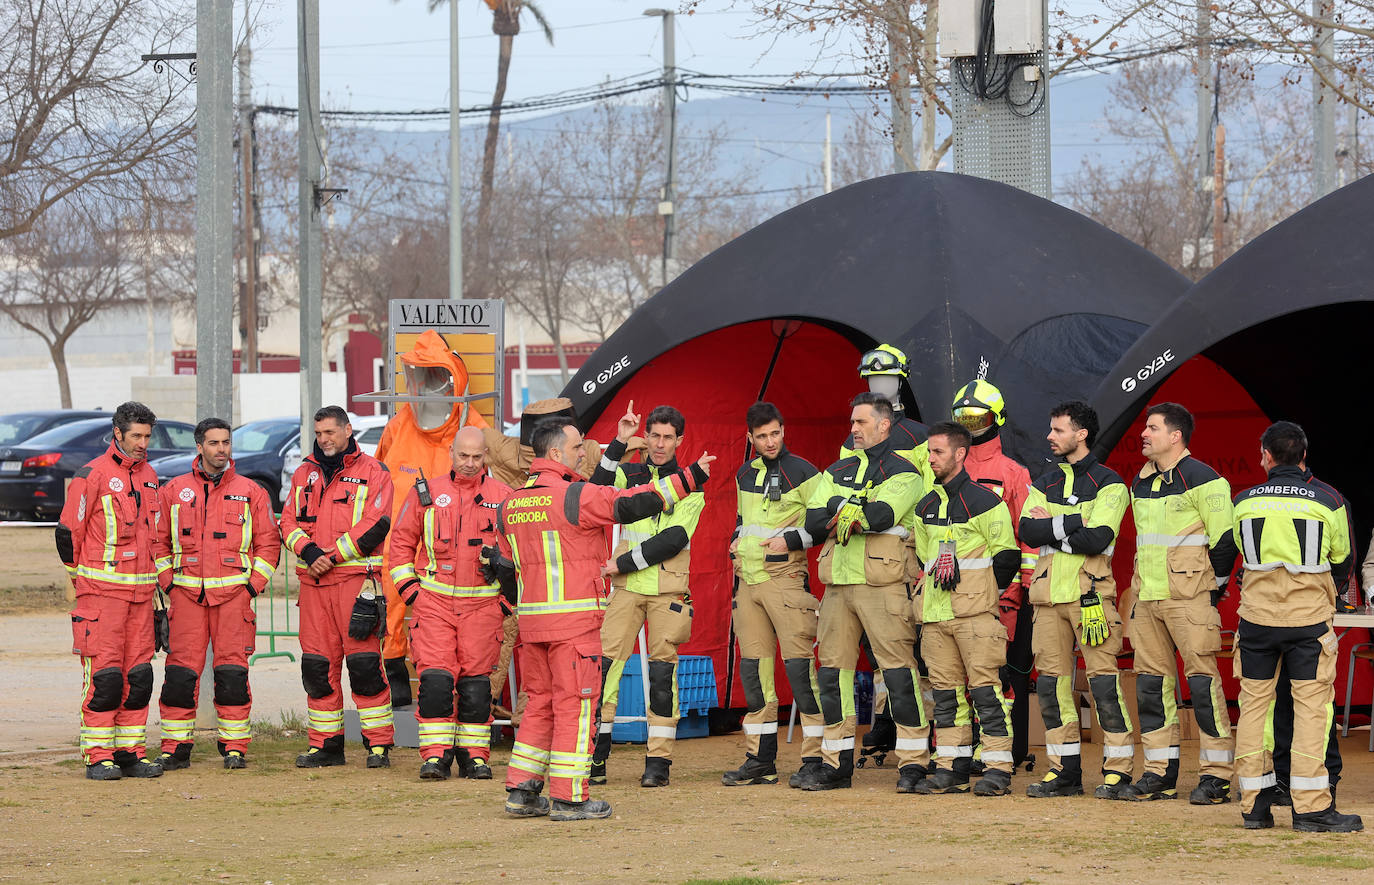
(437, 733)
(263, 567)
(430, 583)
(296, 535)
(428, 534)
(325, 720)
(362, 562)
(553, 566)
(129, 735)
(346, 548)
(114, 577)
(246, 537)
(191, 581)
(176, 528)
(179, 730)
(358, 500)
(234, 729)
(111, 527)
(403, 572)
(549, 608)
(375, 717)
(162, 563)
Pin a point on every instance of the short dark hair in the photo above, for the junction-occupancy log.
(208, 425)
(337, 413)
(548, 434)
(761, 413)
(1175, 418)
(1081, 415)
(957, 433)
(667, 415)
(1285, 442)
(881, 404)
(131, 413)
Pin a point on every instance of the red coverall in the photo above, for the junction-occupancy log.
(406, 448)
(105, 539)
(455, 630)
(344, 516)
(553, 530)
(987, 466)
(217, 549)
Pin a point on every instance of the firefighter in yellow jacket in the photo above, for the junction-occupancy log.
(773, 605)
(964, 539)
(1073, 515)
(861, 510)
(1183, 560)
(648, 572)
(1294, 538)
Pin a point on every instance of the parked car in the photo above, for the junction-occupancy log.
(17, 427)
(34, 475)
(259, 447)
(367, 430)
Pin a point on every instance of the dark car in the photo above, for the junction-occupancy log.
(34, 475)
(17, 427)
(259, 447)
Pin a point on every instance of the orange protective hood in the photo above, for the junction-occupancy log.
(431, 351)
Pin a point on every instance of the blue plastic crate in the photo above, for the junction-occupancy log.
(696, 692)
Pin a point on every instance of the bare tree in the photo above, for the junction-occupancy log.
(74, 262)
(80, 109)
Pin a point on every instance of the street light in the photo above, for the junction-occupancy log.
(666, 198)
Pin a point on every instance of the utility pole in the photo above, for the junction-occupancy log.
(899, 90)
(214, 207)
(1323, 105)
(248, 303)
(1204, 94)
(666, 206)
(311, 159)
(826, 165)
(455, 181)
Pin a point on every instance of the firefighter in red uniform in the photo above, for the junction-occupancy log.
(216, 549)
(335, 519)
(552, 534)
(105, 539)
(455, 630)
(979, 407)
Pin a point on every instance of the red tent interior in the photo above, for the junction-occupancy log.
(712, 379)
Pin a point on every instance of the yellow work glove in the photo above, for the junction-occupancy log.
(1094, 623)
(851, 515)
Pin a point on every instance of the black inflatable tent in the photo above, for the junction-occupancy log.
(967, 276)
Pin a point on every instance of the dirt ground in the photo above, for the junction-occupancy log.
(274, 823)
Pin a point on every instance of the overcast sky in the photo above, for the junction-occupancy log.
(376, 54)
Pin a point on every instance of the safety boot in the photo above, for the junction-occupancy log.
(103, 771)
(598, 772)
(1056, 783)
(435, 768)
(1151, 786)
(753, 771)
(172, 762)
(994, 782)
(1114, 786)
(941, 780)
(1328, 821)
(141, 767)
(810, 767)
(829, 778)
(318, 757)
(908, 776)
(234, 760)
(655, 775)
(523, 799)
(600, 753)
(478, 770)
(379, 757)
(587, 809)
(1210, 790)
(1284, 799)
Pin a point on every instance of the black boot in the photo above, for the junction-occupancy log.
(1328, 821)
(398, 676)
(994, 782)
(379, 756)
(655, 774)
(908, 776)
(587, 809)
(941, 780)
(829, 779)
(753, 771)
(1057, 783)
(133, 765)
(1211, 790)
(327, 756)
(234, 760)
(810, 767)
(523, 800)
(103, 771)
(600, 754)
(177, 759)
(437, 768)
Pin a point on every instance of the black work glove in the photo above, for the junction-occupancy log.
(1217, 596)
(509, 590)
(487, 558)
(367, 617)
(162, 625)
